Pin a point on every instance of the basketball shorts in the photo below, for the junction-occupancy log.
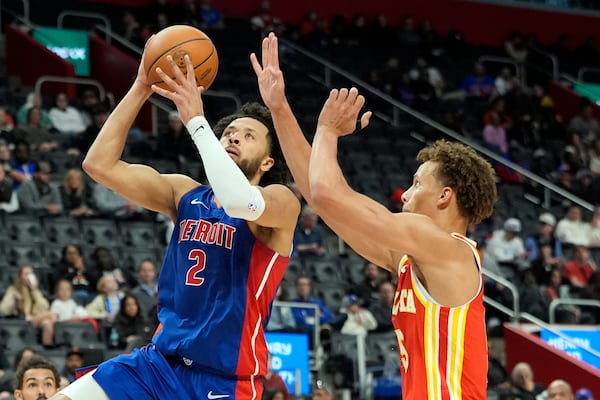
(147, 374)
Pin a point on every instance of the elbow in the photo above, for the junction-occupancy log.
(91, 167)
(322, 196)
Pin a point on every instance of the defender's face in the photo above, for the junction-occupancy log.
(421, 197)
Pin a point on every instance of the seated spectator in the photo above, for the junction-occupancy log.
(542, 267)
(264, 20)
(559, 389)
(531, 298)
(72, 268)
(106, 305)
(506, 246)
(9, 202)
(515, 47)
(112, 205)
(309, 238)
(382, 309)
(479, 83)
(368, 290)
(585, 122)
(83, 141)
(63, 304)
(571, 230)
(38, 196)
(497, 376)
(524, 385)
(579, 269)
(359, 321)
(576, 153)
(584, 394)
(24, 299)
(134, 329)
(175, 143)
(22, 166)
(556, 290)
(40, 139)
(89, 102)
(73, 361)
(6, 127)
(104, 264)
(594, 229)
(281, 318)
(32, 100)
(146, 290)
(505, 81)
(544, 235)
(210, 16)
(494, 135)
(274, 383)
(66, 119)
(76, 195)
(36, 378)
(306, 317)
(430, 73)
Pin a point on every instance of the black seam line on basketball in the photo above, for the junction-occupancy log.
(185, 72)
(178, 44)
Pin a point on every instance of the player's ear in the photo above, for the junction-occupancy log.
(267, 164)
(445, 195)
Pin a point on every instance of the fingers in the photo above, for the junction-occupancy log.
(255, 65)
(365, 119)
(274, 48)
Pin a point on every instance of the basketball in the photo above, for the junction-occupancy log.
(177, 41)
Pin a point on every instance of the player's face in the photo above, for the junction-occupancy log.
(424, 192)
(38, 384)
(245, 140)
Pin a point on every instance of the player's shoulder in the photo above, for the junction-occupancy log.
(180, 184)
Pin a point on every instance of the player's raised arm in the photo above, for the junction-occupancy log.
(138, 183)
(272, 90)
(273, 206)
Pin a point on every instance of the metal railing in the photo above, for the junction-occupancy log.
(519, 67)
(397, 107)
(78, 81)
(554, 304)
(583, 70)
(84, 14)
(553, 60)
(515, 312)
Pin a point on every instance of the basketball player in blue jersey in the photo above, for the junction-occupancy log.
(226, 256)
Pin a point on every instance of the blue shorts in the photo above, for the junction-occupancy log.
(147, 374)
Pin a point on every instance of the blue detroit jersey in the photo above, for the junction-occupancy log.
(215, 289)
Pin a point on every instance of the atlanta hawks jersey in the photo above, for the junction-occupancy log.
(443, 350)
(215, 290)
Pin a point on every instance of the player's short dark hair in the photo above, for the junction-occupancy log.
(470, 176)
(279, 172)
(34, 362)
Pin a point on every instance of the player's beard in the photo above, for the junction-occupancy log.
(250, 167)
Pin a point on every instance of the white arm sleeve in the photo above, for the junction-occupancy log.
(238, 197)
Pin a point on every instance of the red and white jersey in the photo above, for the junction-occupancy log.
(443, 350)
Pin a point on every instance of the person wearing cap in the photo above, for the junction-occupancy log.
(545, 251)
(73, 361)
(506, 246)
(175, 143)
(584, 394)
(359, 320)
(38, 196)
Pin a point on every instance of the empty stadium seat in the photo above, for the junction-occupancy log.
(79, 334)
(17, 333)
(63, 231)
(100, 232)
(24, 229)
(19, 254)
(138, 234)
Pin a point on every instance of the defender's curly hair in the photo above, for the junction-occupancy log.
(279, 172)
(468, 174)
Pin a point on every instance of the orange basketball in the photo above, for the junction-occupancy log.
(177, 41)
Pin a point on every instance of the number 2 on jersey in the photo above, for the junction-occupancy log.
(199, 258)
